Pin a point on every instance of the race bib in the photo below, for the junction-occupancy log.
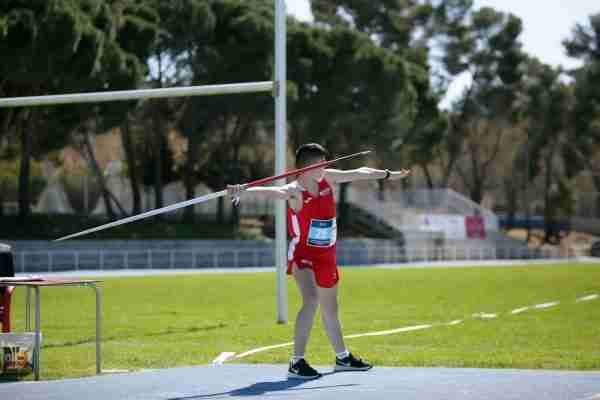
(322, 232)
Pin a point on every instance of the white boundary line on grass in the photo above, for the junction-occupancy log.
(587, 298)
(226, 356)
(390, 332)
(261, 349)
(482, 315)
(546, 305)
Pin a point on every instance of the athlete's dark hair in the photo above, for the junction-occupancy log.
(309, 152)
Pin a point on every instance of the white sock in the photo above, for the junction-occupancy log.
(297, 358)
(342, 355)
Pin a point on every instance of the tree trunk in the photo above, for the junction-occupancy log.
(455, 143)
(98, 172)
(189, 180)
(221, 210)
(130, 159)
(511, 200)
(158, 161)
(448, 171)
(549, 223)
(596, 179)
(476, 192)
(526, 188)
(2, 191)
(428, 176)
(527, 215)
(343, 203)
(25, 167)
(381, 189)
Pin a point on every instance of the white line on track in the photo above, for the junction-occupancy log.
(223, 357)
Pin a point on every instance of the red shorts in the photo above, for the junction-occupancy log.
(324, 267)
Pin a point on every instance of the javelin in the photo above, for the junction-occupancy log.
(207, 197)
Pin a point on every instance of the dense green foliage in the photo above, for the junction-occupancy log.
(363, 75)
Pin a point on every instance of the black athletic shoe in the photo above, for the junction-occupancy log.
(351, 363)
(301, 370)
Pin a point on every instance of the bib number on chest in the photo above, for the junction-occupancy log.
(322, 232)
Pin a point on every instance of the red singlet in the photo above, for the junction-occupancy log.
(314, 233)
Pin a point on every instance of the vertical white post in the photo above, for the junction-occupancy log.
(280, 156)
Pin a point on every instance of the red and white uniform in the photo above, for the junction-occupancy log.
(314, 233)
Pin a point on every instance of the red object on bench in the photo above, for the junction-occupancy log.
(7, 270)
(5, 308)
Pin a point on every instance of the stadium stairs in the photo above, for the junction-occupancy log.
(393, 220)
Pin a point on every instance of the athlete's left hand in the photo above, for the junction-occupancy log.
(235, 192)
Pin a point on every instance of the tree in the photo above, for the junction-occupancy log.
(490, 52)
(206, 42)
(425, 131)
(346, 90)
(547, 103)
(184, 42)
(585, 45)
(585, 41)
(442, 40)
(585, 144)
(64, 46)
(403, 28)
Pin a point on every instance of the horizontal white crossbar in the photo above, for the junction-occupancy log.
(95, 97)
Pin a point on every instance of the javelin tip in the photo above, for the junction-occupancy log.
(60, 239)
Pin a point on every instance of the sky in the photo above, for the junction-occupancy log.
(545, 25)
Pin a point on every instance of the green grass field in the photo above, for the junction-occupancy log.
(168, 321)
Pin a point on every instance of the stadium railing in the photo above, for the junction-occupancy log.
(80, 260)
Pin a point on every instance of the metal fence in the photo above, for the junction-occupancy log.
(76, 260)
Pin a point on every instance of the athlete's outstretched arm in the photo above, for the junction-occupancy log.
(364, 173)
(284, 192)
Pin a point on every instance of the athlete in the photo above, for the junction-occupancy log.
(312, 250)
